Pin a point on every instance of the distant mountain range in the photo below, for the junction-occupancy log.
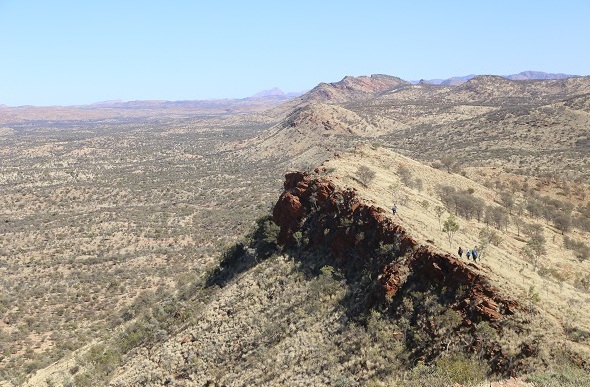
(522, 76)
(348, 88)
(272, 96)
(275, 92)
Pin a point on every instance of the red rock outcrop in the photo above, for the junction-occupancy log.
(355, 233)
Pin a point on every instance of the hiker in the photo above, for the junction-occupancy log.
(394, 209)
(474, 255)
(460, 252)
(468, 254)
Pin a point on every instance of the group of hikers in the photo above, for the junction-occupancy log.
(469, 254)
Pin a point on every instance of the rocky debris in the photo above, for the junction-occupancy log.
(353, 230)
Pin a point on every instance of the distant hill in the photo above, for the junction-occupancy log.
(522, 76)
(457, 80)
(535, 75)
(277, 93)
(354, 88)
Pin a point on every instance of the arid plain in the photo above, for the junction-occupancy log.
(116, 221)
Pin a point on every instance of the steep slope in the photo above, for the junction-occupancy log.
(349, 89)
(356, 295)
(504, 264)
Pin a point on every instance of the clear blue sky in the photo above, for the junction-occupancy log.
(76, 52)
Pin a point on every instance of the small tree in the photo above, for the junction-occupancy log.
(563, 222)
(507, 200)
(501, 218)
(450, 163)
(439, 211)
(488, 218)
(365, 175)
(419, 184)
(450, 227)
(533, 298)
(518, 222)
(534, 230)
(405, 176)
(487, 236)
(534, 250)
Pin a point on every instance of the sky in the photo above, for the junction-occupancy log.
(79, 52)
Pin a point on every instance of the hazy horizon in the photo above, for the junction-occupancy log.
(254, 94)
(70, 53)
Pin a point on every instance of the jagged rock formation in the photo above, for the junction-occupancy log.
(362, 238)
(337, 218)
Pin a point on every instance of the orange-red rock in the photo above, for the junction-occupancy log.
(356, 231)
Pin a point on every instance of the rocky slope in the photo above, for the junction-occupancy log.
(273, 323)
(362, 237)
(335, 219)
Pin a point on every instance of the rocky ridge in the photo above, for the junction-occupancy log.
(317, 204)
(362, 237)
(354, 88)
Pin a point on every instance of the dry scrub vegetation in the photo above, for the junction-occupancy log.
(97, 219)
(554, 284)
(118, 254)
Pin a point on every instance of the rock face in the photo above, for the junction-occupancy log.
(361, 236)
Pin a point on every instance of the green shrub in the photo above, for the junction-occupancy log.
(561, 377)
(448, 371)
(462, 370)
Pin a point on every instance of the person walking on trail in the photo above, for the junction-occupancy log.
(460, 252)
(468, 254)
(474, 255)
(394, 209)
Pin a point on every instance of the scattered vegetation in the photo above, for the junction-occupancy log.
(93, 219)
(365, 175)
(450, 227)
(580, 249)
(112, 231)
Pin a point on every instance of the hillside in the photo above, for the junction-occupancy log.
(140, 249)
(522, 76)
(300, 315)
(528, 127)
(533, 128)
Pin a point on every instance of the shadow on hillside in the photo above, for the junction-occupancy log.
(241, 257)
(357, 275)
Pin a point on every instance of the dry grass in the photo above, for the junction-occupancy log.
(91, 218)
(561, 304)
(105, 224)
